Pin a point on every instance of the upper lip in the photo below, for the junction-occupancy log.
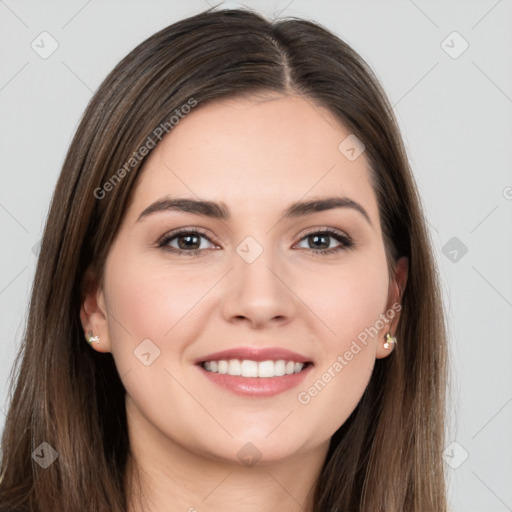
(254, 354)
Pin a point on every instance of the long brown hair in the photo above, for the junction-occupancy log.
(387, 455)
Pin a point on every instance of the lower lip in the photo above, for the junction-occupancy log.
(256, 386)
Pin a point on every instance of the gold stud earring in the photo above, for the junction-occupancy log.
(92, 339)
(389, 340)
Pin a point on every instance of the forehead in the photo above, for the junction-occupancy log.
(250, 152)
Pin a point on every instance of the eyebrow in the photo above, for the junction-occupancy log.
(221, 212)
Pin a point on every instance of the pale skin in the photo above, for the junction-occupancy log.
(255, 157)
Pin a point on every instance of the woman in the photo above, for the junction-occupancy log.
(236, 356)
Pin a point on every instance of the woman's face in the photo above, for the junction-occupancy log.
(252, 272)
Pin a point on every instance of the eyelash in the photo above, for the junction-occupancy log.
(340, 237)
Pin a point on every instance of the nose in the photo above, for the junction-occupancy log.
(258, 293)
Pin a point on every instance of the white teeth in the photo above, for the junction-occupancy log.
(234, 367)
(280, 367)
(223, 367)
(266, 369)
(249, 368)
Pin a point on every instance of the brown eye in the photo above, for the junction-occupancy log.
(321, 242)
(189, 242)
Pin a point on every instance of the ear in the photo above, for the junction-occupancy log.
(93, 312)
(395, 294)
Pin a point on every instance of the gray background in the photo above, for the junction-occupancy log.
(455, 115)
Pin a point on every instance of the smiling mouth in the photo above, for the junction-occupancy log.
(250, 368)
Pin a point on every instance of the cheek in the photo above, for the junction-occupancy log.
(328, 398)
(146, 301)
(356, 306)
(150, 301)
(350, 303)
(155, 314)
